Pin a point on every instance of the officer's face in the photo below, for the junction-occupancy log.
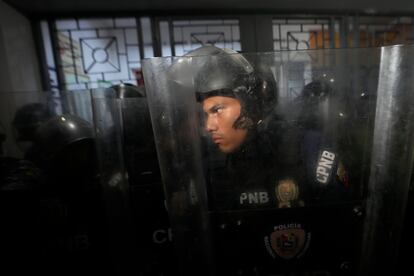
(221, 113)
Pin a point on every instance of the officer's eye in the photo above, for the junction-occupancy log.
(217, 109)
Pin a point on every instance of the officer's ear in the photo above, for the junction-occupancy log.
(244, 121)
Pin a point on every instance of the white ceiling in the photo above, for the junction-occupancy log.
(59, 7)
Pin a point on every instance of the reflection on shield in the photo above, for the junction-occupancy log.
(100, 55)
(288, 243)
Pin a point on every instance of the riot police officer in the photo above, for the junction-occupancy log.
(239, 102)
(55, 192)
(322, 147)
(270, 162)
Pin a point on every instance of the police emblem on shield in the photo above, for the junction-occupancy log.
(287, 241)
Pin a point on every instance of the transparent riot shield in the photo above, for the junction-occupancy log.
(113, 178)
(51, 203)
(285, 163)
(149, 213)
(140, 234)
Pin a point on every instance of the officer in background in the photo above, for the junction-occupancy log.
(52, 195)
(326, 174)
(71, 215)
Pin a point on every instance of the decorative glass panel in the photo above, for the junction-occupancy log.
(98, 52)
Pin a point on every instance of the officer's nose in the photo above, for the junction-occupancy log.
(211, 124)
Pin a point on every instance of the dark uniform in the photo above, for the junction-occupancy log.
(259, 174)
(294, 168)
(274, 202)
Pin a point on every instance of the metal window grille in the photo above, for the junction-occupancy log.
(89, 53)
(181, 36)
(102, 52)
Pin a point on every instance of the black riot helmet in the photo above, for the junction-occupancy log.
(228, 73)
(64, 148)
(314, 104)
(316, 90)
(60, 131)
(59, 138)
